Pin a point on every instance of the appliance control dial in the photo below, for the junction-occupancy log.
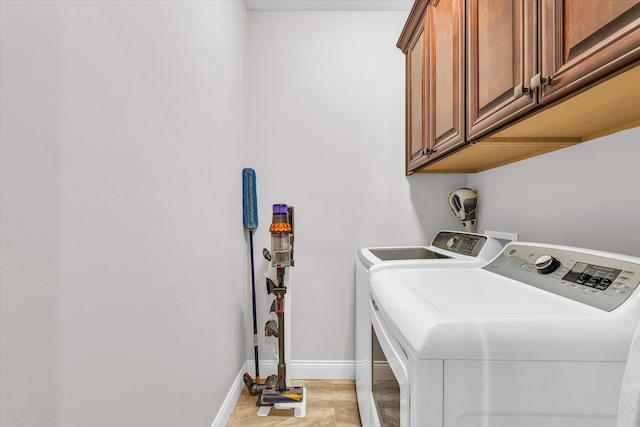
(451, 243)
(599, 279)
(547, 264)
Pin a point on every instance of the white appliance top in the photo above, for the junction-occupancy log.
(532, 302)
(446, 246)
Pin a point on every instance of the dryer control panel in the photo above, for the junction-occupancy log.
(460, 243)
(599, 279)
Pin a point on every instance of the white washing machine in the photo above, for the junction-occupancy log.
(450, 249)
(539, 336)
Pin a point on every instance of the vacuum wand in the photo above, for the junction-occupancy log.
(281, 257)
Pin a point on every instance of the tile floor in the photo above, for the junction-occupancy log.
(329, 403)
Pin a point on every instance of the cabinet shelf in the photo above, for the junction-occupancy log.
(604, 109)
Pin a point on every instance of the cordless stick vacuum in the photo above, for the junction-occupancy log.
(280, 396)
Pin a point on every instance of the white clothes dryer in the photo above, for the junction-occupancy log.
(629, 408)
(539, 336)
(448, 249)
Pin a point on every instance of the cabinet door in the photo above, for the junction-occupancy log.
(415, 99)
(446, 104)
(501, 46)
(584, 41)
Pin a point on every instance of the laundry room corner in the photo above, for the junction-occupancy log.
(309, 80)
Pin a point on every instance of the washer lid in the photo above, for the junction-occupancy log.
(475, 314)
(446, 245)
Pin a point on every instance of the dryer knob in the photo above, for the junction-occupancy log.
(547, 264)
(451, 243)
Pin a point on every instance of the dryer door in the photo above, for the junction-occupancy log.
(390, 376)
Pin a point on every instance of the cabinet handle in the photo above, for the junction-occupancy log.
(539, 81)
(520, 91)
(426, 151)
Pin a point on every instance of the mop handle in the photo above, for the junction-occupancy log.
(253, 297)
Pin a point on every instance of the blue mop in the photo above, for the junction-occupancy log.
(250, 219)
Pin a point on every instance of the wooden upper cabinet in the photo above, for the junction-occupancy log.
(446, 76)
(501, 47)
(435, 94)
(415, 99)
(583, 42)
(491, 82)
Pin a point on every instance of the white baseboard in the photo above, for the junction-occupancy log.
(308, 369)
(266, 367)
(321, 370)
(296, 370)
(230, 401)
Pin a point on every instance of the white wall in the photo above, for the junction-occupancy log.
(587, 195)
(125, 126)
(124, 299)
(325, 121)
